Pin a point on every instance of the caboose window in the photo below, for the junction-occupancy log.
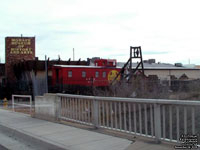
(69, 74)
(96, 74)
(104, 74)
(83, 74)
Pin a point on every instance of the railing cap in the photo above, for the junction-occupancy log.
(136, 100)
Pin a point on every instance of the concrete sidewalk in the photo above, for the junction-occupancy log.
(58, 135)
(49, 135)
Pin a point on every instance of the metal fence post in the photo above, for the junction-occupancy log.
(96, 113)
(30, 105)
(13, 103)
(157, 122)
(58, 107)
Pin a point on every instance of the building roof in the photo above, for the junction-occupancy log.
(40, 64)
(158, 66)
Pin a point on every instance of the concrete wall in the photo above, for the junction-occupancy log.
(47, 107)
(164, 74)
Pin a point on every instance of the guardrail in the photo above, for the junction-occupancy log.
(155, 118)
(14, 104)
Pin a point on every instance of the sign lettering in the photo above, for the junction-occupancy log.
(20, 46)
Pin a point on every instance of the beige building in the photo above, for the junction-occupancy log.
(166, 71)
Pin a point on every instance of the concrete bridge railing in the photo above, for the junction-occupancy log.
(154, 118)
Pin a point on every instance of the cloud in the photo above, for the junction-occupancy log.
(105, 28)
(154, 53)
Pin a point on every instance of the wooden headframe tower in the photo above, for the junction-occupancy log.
(128, 70)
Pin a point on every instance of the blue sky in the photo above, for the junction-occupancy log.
(168, 31)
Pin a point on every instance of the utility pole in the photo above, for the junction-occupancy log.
(46, 73)
(73, 55)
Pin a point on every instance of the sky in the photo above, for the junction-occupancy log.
(167, 30)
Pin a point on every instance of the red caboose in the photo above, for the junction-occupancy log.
(100, 75)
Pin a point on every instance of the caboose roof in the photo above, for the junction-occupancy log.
(81, 66)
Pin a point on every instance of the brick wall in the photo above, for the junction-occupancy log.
(18, 49)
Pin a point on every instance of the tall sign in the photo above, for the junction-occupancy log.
(18, 49)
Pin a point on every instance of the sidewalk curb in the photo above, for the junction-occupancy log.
(49, 145)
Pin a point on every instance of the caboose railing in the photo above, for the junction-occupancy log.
(155, 118)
